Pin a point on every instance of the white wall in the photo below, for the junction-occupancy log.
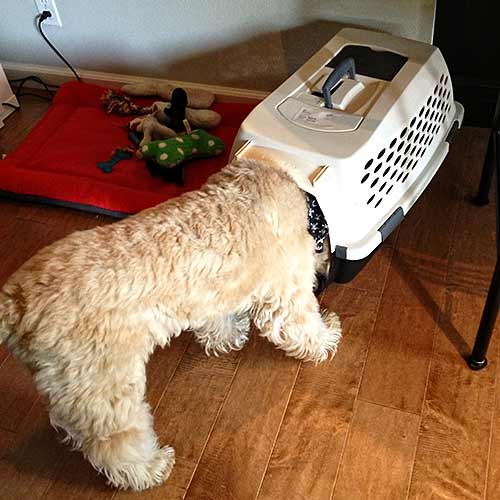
(407, 18)
(246, 43)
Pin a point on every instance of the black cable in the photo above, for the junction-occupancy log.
(45, 98)
(41, 18)
(21, 82)
(35, 79)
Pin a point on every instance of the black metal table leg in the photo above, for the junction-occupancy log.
(482, 197)
(477, 359)
(491, 160)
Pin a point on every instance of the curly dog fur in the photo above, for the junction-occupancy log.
(86, 313)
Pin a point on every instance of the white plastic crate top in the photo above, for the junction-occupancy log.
(371, 155)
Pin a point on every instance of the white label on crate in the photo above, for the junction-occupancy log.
(318, 118)
(323, 118)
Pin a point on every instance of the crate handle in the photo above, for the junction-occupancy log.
(346, 66)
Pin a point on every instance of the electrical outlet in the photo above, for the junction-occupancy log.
(49, 5)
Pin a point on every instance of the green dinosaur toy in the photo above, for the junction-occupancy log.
(171, 152)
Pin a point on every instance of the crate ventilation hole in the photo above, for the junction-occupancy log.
(398, 159)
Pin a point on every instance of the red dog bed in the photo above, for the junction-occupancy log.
(57, 162)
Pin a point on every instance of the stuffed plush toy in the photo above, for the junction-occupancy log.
(171, 152)
(172, 115)
(122, 105)
(199, 99)
(197, 118)
(169, 118)
(151, 129)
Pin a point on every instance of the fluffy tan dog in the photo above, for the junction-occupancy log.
(86, 313)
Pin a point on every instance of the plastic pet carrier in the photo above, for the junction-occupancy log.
(366, 122)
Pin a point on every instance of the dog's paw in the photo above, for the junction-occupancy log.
(224, 334)
(324, 344)
(332, 322)
(161, 466)
(224, 347)
(141, 476)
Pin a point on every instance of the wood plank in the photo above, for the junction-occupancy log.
(452, 453)
(414, 292)
(236, 456)
(31, 458)
(493, 477)
(403, 338)
(21, 236)
(162, 366)
(76, 479)
(379, 454)
(312, 436)
(372, 277)
(17, 394)
(20, 123)
(66, 220)
(20, 240)
(474, 250)
(7, 214)
(8, 210)
(4, 353)
(187, 413)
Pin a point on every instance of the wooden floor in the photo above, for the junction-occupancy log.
(395, 415)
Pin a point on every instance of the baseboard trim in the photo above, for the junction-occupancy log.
(56, 76)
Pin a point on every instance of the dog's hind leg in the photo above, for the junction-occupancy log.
(131, 457)
(296, 326)
(224, 333)
(96, 393)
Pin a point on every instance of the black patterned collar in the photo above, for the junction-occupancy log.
(317, 225)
